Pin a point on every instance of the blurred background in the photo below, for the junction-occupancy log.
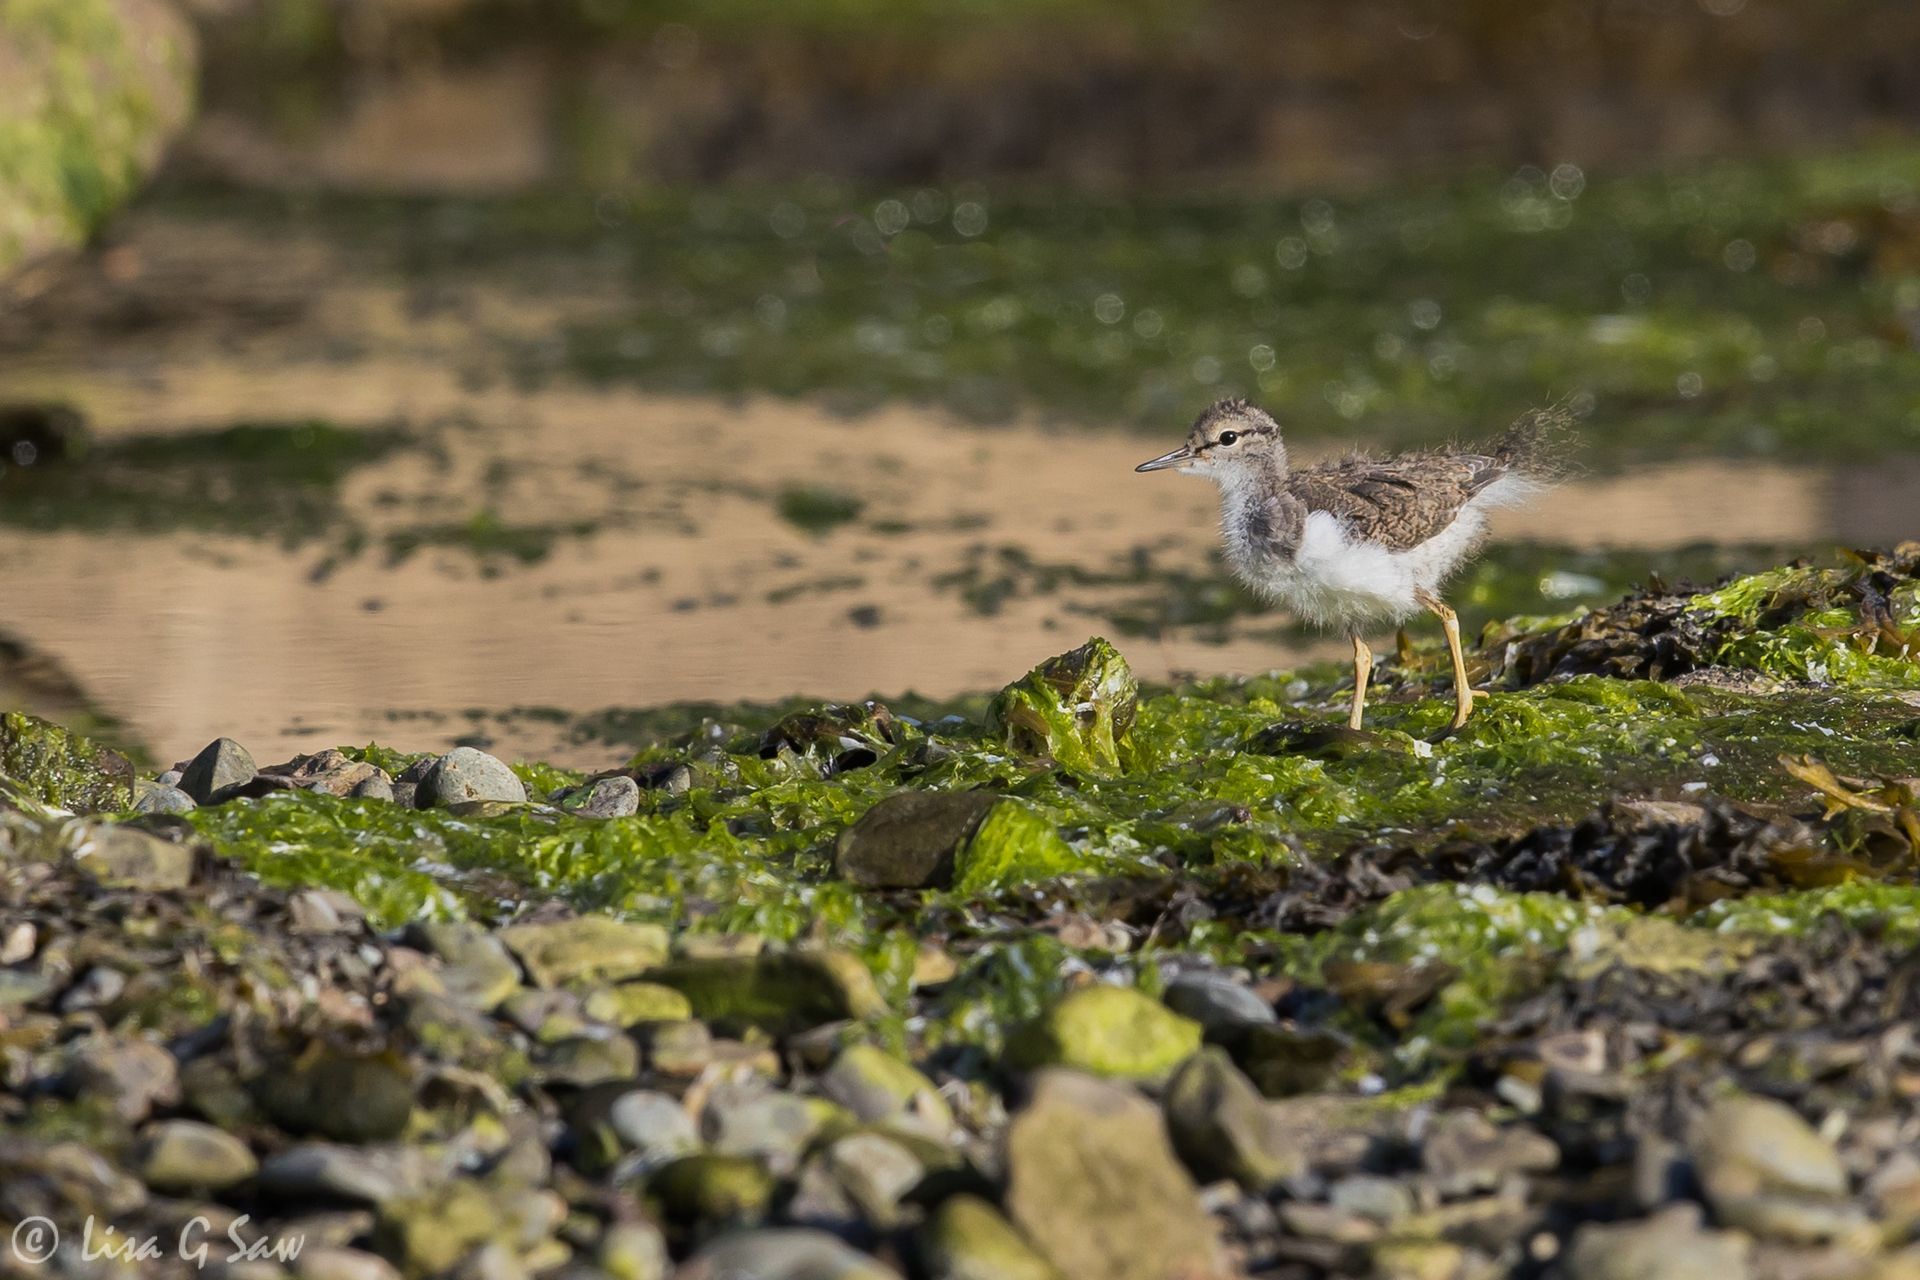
(485, 370)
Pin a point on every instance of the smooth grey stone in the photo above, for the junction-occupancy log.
(222, 763)
(614, 797)
(654, 1126)
(463, 776)
(377, 787)
(1216, 1001)
(158, 797)
(368, 1175)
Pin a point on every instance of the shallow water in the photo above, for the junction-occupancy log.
(670, 569)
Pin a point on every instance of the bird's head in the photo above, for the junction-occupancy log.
(1231, 440)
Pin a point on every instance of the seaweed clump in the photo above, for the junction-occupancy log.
(1856, 623)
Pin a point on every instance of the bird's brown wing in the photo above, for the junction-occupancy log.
(1397, 502)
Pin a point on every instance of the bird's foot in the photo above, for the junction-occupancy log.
(1461, 712)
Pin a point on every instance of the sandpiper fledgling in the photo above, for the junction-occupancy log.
(1362, 541)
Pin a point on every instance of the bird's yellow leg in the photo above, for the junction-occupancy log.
(1362, 673)
(1463, 693)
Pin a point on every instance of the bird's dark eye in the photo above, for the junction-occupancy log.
(1228, 437)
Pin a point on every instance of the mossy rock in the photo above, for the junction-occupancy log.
(969, 840)
(1223, 1128)
(1109, 1031)
(712, 1188)
(1094, 1184)
(784, 992)
(968, 1239)
(60, 768)
(95, 89)
(632, 1003)
(881, 1089)
(343, 1096)
(585, 949)
(1076, 708)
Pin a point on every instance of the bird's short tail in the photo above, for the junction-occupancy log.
(1539, 445)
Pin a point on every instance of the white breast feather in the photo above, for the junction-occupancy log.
(1334, 581)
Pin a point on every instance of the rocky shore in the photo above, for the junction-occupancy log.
(1101, 984)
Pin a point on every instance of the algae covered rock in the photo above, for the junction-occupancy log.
(157, 797)
(1109, 1031)
(782, 992)
(616, 796)
(479, 971)
(585, 949)
(128, 858)
(968, 1239)
(94, 90)
(879, 1089)
(1076, 708)
(631, 1003)
(709, 1187)
(1223, 1128)
(432, 1232)
(186, 1156)
(56, 767)
(970, 840)
(1095, 1186)
(334, 1094)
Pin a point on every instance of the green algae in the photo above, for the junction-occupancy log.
(47, 763)
(1486, 946)
(1218, 792)
(818, 510)
(1890, 911)
(1013, 845)
(1820, 626)
(1076, 708)
(1107, 1030)
(491, 540)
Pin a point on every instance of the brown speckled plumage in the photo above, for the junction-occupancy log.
(1360, 542)
(1398, 502)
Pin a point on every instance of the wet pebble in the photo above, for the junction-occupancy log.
(1464, 1152)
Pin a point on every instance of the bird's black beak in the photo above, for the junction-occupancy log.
(1166, 460)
